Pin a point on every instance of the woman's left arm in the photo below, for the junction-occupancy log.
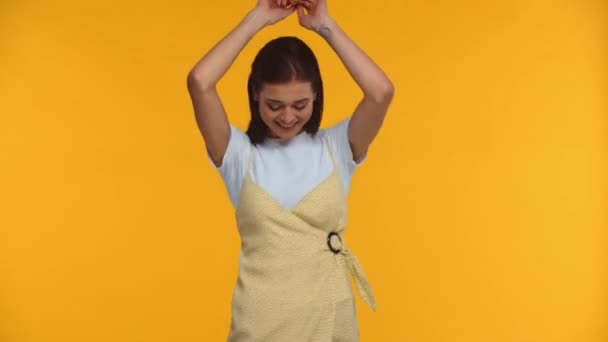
(377, 88)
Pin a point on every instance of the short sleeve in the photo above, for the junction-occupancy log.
(234, 164)
(337, 137)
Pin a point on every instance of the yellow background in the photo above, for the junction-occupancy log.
(480, 214)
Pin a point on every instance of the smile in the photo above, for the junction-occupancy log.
(287, 126)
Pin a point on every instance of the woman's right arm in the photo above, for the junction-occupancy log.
(209, 111)
(202, 79)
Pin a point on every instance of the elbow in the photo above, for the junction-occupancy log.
(387, 91)
(384, 93)
(196, 80)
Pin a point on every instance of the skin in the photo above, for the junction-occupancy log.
(286, 108)
(211, 118)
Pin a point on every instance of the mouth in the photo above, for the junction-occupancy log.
(286, 126)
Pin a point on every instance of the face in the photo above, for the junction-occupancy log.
(285, 108)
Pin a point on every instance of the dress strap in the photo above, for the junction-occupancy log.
(331, 153)
(249, 161)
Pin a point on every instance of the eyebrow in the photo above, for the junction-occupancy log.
(281, 102)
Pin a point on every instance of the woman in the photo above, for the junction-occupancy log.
(287, 179)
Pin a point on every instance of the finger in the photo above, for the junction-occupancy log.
(288, 10)
(301, 13)
(306, 3)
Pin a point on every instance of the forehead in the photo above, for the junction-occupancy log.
(292, 90)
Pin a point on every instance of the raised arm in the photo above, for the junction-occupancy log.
(202, 79)
(377, 89)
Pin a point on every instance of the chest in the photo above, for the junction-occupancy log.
(322, 208)
(289, 175)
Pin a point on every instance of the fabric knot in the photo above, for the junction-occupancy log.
(363, 287)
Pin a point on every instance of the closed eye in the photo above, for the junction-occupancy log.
(274, 108)
(298, 105)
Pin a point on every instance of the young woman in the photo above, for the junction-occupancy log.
(288, 179)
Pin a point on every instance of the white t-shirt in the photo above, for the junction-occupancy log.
(288, 171)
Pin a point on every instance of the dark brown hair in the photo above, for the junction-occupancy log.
(282, 60)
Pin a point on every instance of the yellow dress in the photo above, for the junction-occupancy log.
(293, 279)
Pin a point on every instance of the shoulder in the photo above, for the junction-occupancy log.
(238, 147)
(336, 136)
(234, 162)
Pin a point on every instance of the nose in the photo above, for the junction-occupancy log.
(288, 116)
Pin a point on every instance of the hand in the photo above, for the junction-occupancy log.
(275, 10)
(315, 17)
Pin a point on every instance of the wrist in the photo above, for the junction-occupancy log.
(257, 18)
(325, 27)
